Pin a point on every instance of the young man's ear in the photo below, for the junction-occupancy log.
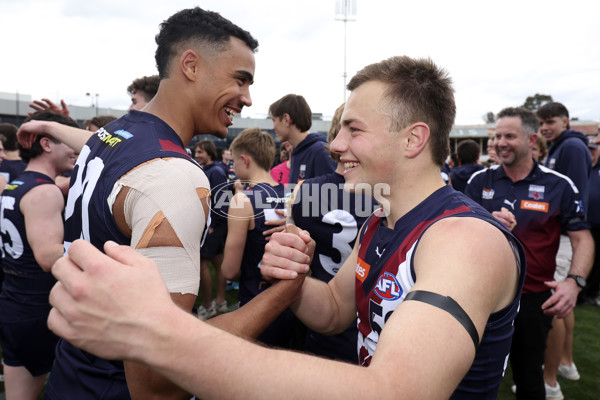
(245, 159)
(417, 138)
(45, 143)
(190, 64)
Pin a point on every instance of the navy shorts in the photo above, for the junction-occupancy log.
(28, 344)
(214, 242)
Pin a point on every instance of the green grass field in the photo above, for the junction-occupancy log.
(586, 353)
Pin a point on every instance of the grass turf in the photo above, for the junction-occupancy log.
(586, 354)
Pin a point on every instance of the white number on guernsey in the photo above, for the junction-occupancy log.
(341, 240)
(7, 227)
(83, 188)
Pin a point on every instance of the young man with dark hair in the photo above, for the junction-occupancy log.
(97, 122)
(142, 90)
(135, 184)
(31, 227)
(427, 310)
(567, 154)
(467, 153)
(292, 119)
(12, 165)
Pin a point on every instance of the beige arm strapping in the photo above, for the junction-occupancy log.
(171, 189)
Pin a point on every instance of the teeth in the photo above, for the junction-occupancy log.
(231, 113)
(349, 165)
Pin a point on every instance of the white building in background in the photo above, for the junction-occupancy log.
(14, 108)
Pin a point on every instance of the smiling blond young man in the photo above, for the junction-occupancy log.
(428, 310)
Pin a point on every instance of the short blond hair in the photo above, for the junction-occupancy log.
(257, 144)
(334, 129)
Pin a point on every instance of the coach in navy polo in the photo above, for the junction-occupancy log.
(542, 203)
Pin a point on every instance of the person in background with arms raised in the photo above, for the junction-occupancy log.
(31, 227)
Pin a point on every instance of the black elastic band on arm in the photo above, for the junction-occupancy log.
(447, 304)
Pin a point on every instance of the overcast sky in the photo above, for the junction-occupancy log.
(497, 52)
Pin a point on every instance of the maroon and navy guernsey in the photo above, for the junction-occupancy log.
(112, 151)
(333, 217)
(385, 274)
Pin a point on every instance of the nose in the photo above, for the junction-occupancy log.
(340, 144)
(499, 143)
(245, 97)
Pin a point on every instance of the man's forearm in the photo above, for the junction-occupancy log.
(73, 137)
(583, 253)
(318, 309)
(145, 383)
(195, 355)
(255, 316)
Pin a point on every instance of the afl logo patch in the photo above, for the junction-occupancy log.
(388, 287)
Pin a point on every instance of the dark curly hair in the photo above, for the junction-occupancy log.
(196, 24)
(36, 147)
(99, 120)
(146, 85)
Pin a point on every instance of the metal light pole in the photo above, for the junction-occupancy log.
(96, 96)
(345, 10)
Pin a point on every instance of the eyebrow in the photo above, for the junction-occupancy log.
(247, 74)
(348, 121)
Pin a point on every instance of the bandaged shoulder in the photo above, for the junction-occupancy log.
(172, 190)
(449, 305)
